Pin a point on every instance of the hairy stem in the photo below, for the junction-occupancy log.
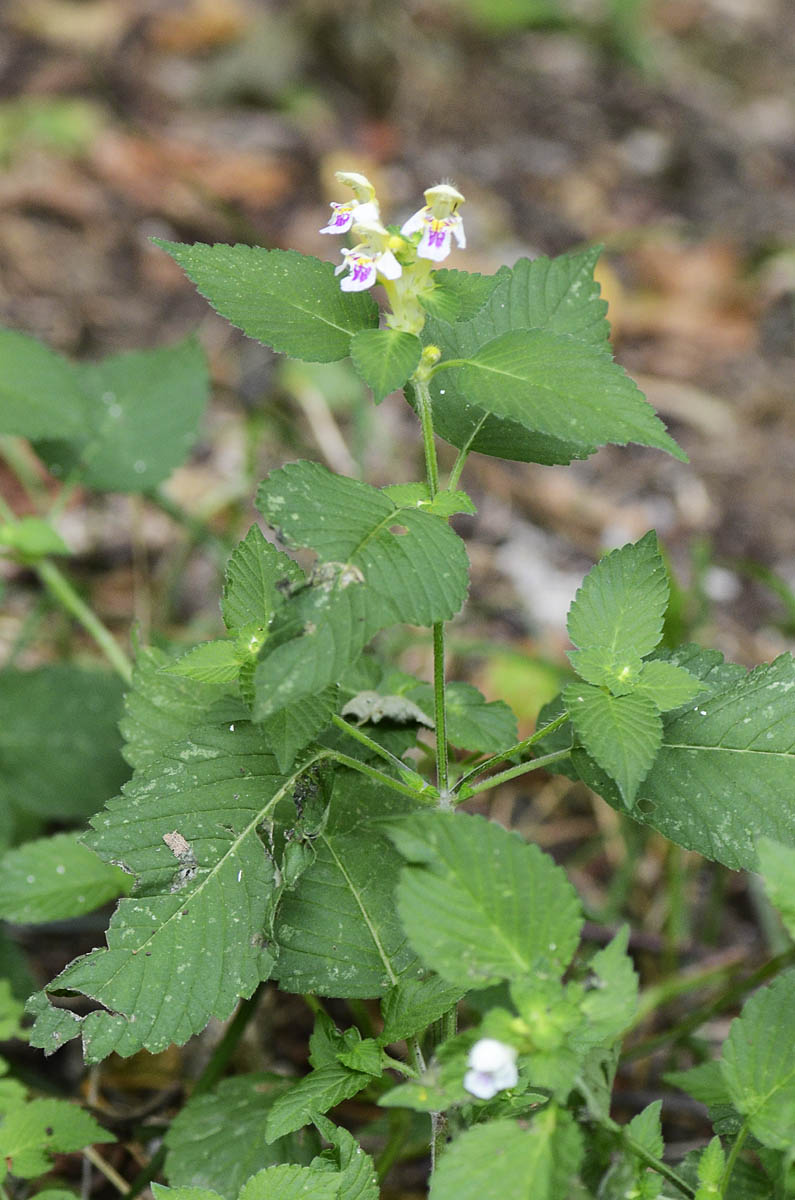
(60, 587)
(525, 744)
(731, 1162)
(423, 395)
(389, 781)
(360, 736)
(535, 764)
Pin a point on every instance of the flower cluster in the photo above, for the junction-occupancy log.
(373, 259)
(492, 1068)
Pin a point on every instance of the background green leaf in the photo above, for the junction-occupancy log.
(74, 711)
(39, 392)
(502, 909)
(287, 300)
(315, 1094)
(141, 417)
(777, 868)
(217, 1140)
(56, 877)
(32, 1132)
(253, 576)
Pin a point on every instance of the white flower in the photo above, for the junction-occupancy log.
(370, 258)
(363, 208)
(492, 1068)
(439, 221)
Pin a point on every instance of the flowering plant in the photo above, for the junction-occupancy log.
(297, 813)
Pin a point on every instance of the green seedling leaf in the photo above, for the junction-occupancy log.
(362, 1056)
(315, 1094)
(31, 1133)
(622, 734)
(82, 766)
(501, 1158)
(621, 605)
(777, 868)
(141, 417)
(502, 909)
(417, 495)
(337, 930)
(216, 1140)
(256, 576)
(210, 662)
(191, 943)
(385, 359)
(603, 667)
(31, 539)
(758, 1063)
(40, 396)
(726, 760)
(414, 1004)
(287, 300)
(54, 878)
(611, 1005)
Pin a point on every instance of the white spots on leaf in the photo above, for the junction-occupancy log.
(139, 466)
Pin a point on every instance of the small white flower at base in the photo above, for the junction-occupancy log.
(439, 221)
(492, 1068)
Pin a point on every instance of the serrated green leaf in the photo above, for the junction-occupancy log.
(357, 1170)
(11, 1010)
(604, 667)
(217, 1141)
(458, 295)
(161, 709)
(209, 662)
(337, 930)
(758, 1063)
(254, 576)
(502, 909)
(621, 604)
(711, 1166)
(499, 1159)
(142, 411)
(39, 393)
(382, 564)
(704, 1082)
(315, 1094)
(559, 387)
(385, 359)
(31, 538)
(364, 1055)
(286, 1182)
(31, 1133)
(611, 1005)
(777, 868)
(725, 762)
(189, 945)
(666, 685)
(417, 495)
(295, 726)
(79, 709)
(414, 1004)
(54, 878)
(622, 733)
(630, 1176)
(287, 300)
